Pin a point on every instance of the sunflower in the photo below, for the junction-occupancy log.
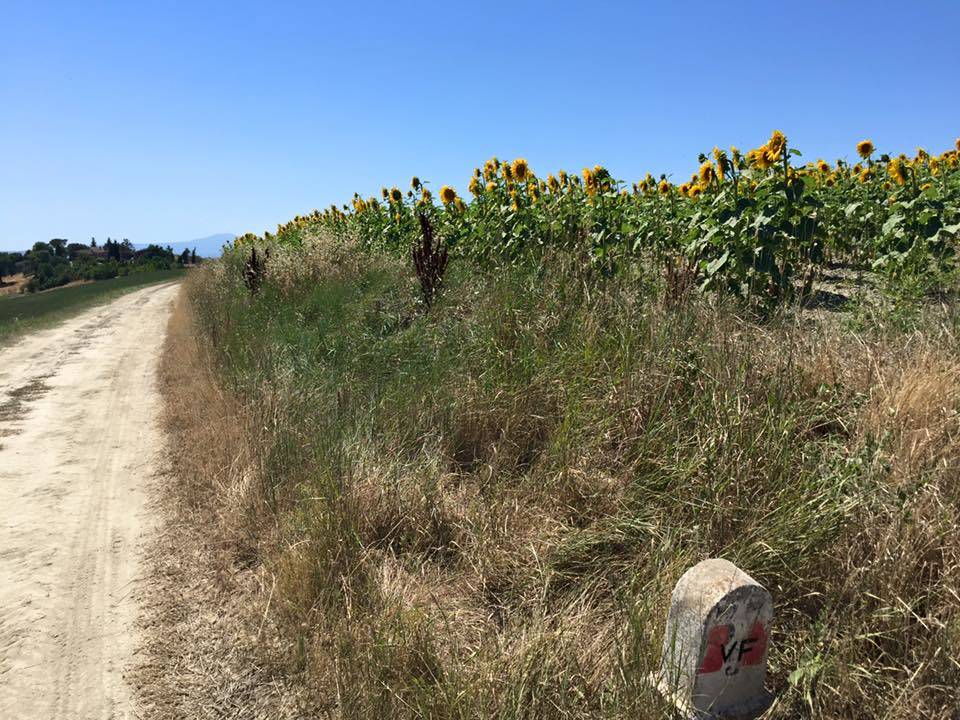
(694, 191)
(758, 158)
(447, 194)
(489, 170)
(865, 149)
(415, 182)
(460, 205)
(474, 186)
(426, 196)
(925, 186)
(589, 181)
(723, 163)
(562, 175)
(491, 186)
(897, 170)
(385, 193)
(956, 144)
(520, 169)
(864, 176)
(684, 188)
(507, 171)
(664, 187)
(823, 166)
(776, 145)
(395, 195)
(707, 174)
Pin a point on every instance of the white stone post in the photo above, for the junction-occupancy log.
(714, 661)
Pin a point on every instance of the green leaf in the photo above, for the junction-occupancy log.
(717, 264)
(892, 222)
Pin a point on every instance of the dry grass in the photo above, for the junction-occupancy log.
(204, 653)
(482, 513)
(11, 284)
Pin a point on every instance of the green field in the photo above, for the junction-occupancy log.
(19, 313)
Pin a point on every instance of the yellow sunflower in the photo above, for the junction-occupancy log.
(447, 194)
(395, 195)
(759, 159)
(415, 182)
(897, 170)
(664, 187)
(707, 174)
(865, 149)
(520, 169)
(776, 145)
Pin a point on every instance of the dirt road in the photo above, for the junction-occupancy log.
(79, 442)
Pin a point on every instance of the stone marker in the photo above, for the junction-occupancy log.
(715, 649)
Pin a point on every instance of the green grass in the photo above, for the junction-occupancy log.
(22, 313)
(481, 511)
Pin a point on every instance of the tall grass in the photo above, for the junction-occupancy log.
(481, 511)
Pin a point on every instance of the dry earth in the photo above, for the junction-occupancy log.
(11, 284)
(79, 443)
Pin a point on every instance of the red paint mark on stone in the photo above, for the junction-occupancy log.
(717, 639)
(748, 651)
(758, 634)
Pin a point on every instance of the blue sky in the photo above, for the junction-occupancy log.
(166, 121)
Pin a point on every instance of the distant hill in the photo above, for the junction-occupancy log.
(208, 247)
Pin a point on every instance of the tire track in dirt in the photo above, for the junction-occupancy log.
(79, 442)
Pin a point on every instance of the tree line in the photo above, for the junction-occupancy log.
(58, 261)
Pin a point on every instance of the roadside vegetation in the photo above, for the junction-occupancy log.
(59, 262)
(480, 442)
(19, 313)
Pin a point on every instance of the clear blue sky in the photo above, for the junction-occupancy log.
(166, 121)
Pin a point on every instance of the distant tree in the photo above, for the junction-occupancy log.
(113, 249)
(7, 265)
(93, 242)
(193, 257)
(184, 257)
(59, 247)
(126, 249)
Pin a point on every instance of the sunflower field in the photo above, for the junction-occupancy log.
(758, 224)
